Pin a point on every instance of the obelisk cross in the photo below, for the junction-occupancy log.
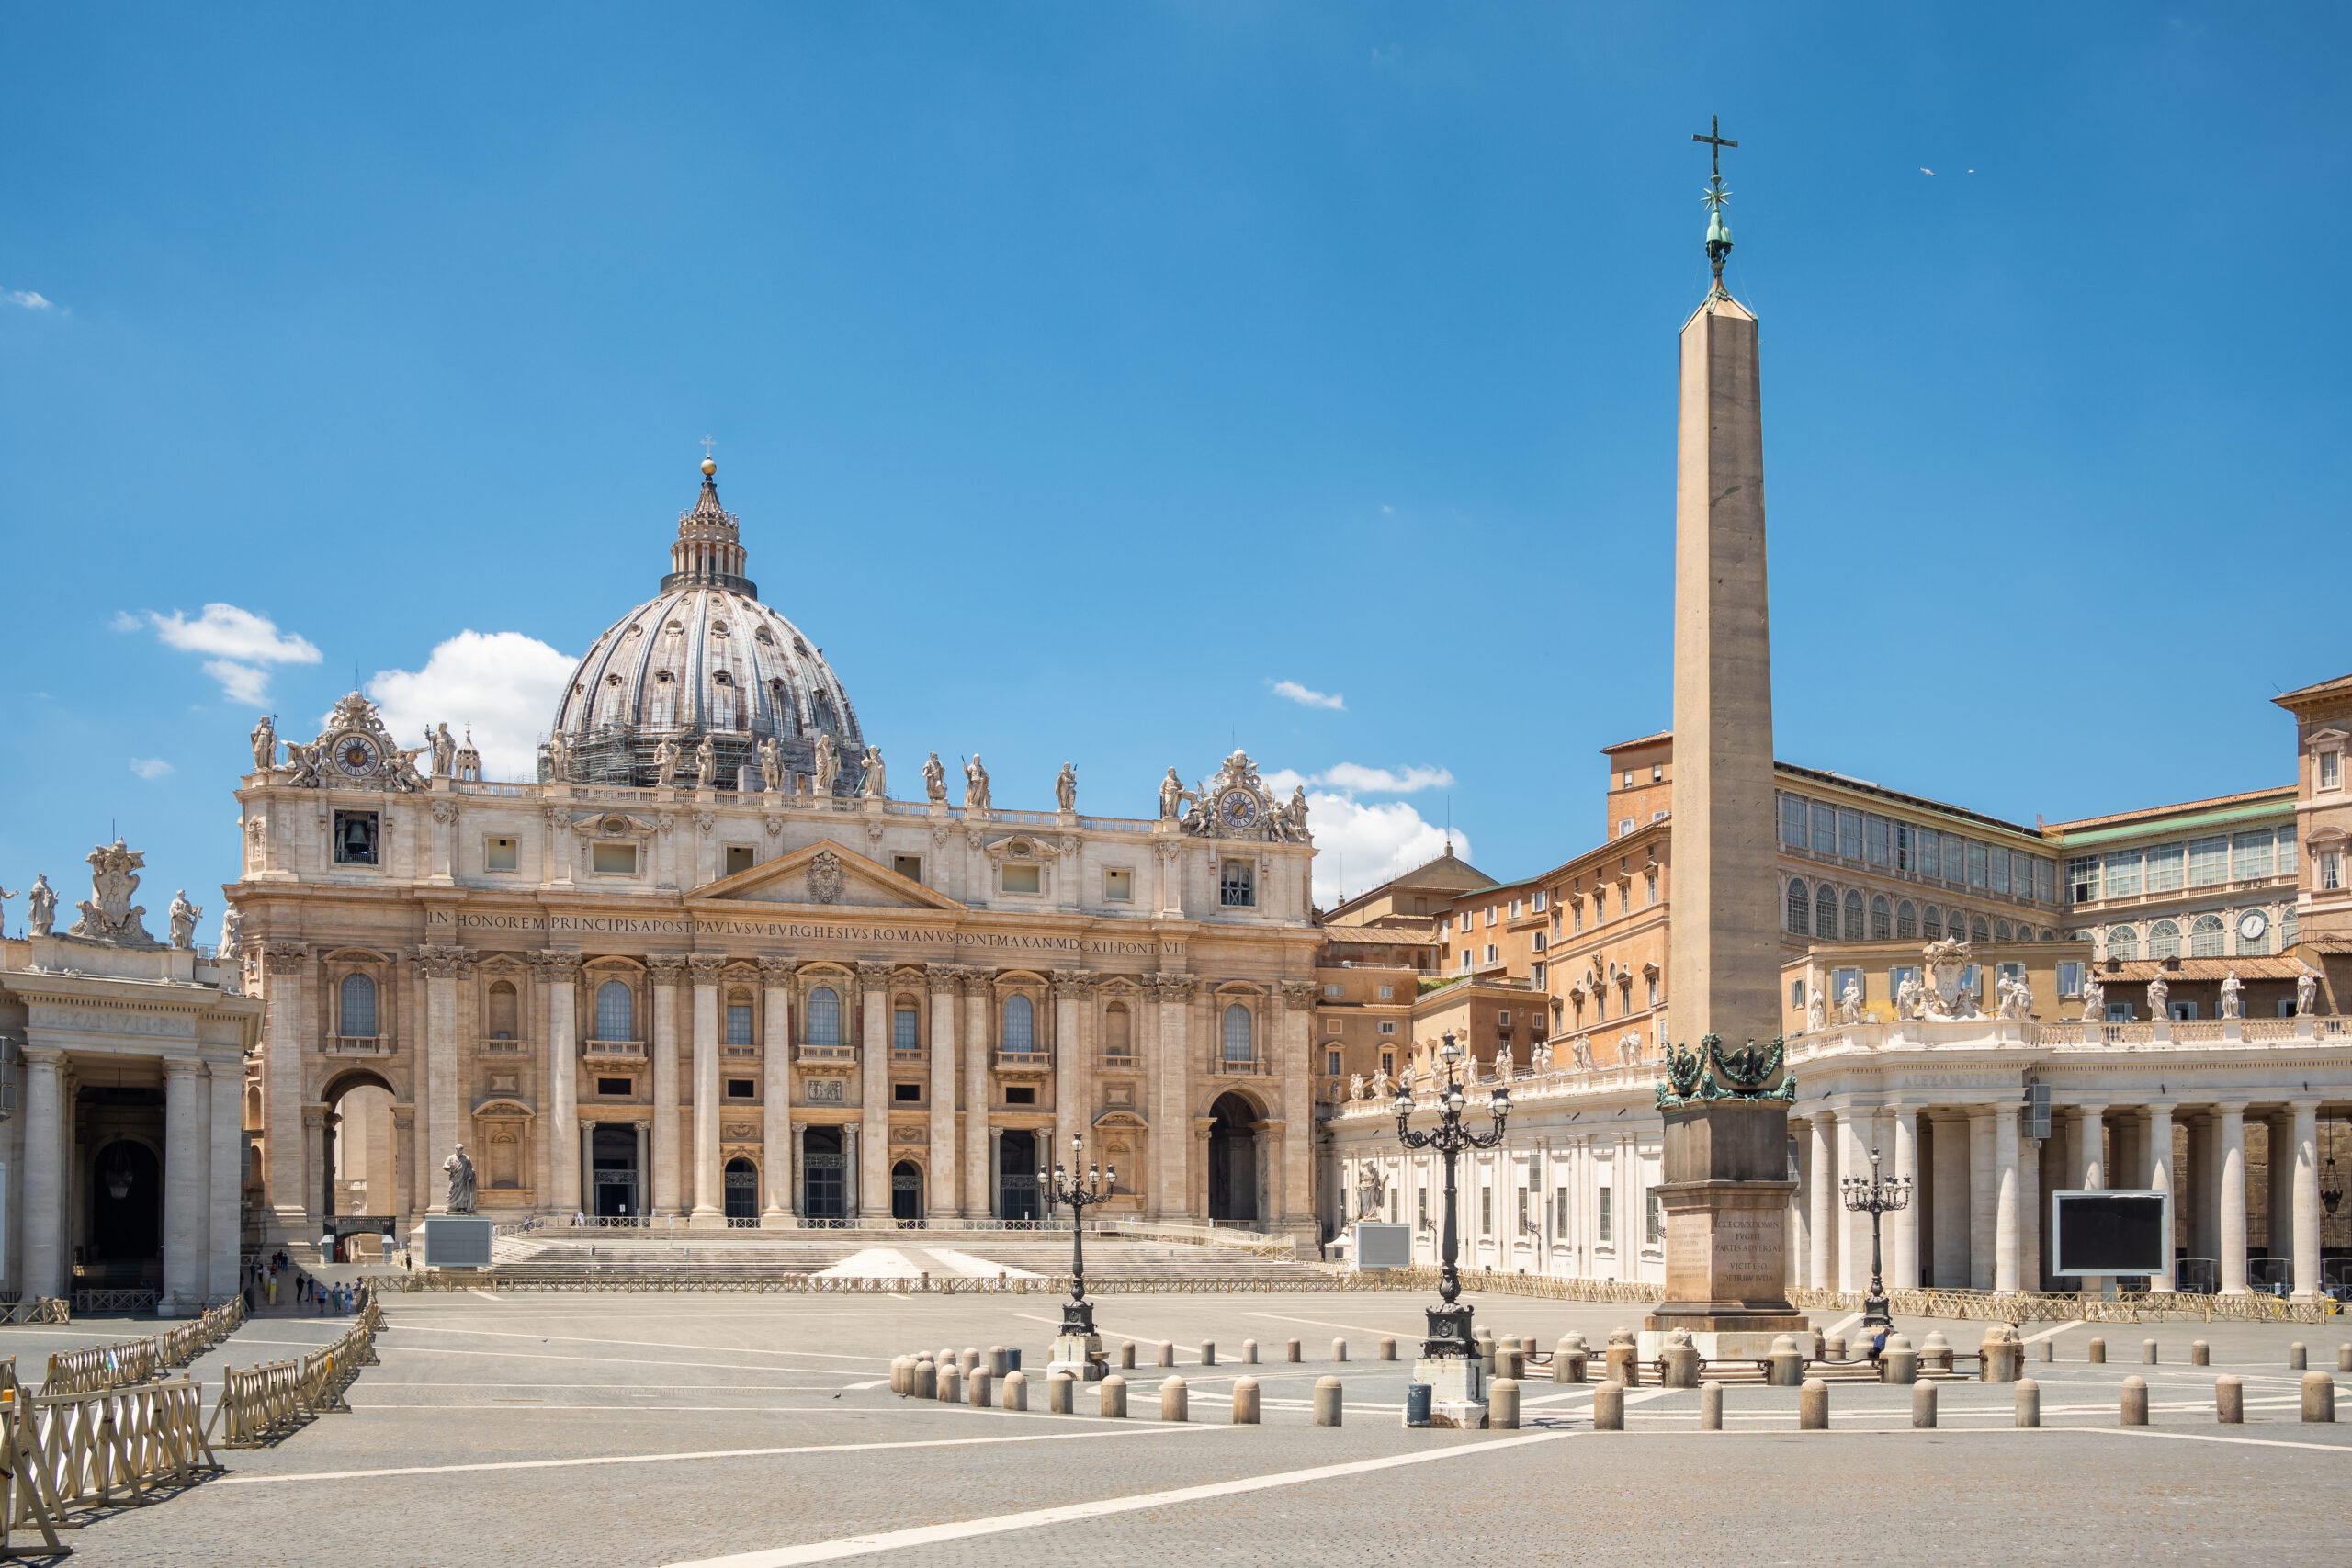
(1718, 231)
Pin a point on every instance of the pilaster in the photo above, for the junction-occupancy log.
(666, 970)
(874, 1074)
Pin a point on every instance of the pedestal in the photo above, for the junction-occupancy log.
(1080, 1356)
(1727, 1201)
(1457, 1390)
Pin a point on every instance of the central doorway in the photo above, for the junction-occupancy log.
(906, 1192)
(743, 1190)
(126, 1204)
(1233, 1161)
(613, 1160)
(821, 1169)
(1016, 1175)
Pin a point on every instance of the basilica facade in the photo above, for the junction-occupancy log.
(707, 969)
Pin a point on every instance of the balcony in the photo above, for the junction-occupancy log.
(1024, 1064)
(909, 1054)
(357, 1045)
(614, 1051)
(825, 1058)
(1126, 1062)
(740, 1053)
(501, 1047)
(1224, 1067)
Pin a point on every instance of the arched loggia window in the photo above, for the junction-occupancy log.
(824, 1016)
(1237, 1033)
(358, 1007)
(616, 1011)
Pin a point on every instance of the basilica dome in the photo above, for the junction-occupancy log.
(703, 658)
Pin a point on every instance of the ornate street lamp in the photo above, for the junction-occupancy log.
(1450, 1324)
(2331, 1192)
(1879, 1195)
(1078, 1191)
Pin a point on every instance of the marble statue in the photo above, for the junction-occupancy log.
(2015, 997)
(1580, 1049)
(829, 762)
(1850, 1002)
(108, 915)
(184, 916)
(1540, 1056)
(265, 739)
(1629, 1050)
(665, 765)
(1294, 814)
(40, 908)
(1906, 997)
(2157, 993)
(445, 749)
(1355, 1086)
(877, 781)
(460, 1171)
(1817, 1011)
(559, 758)
(1172, 796)
(2094, 999)
(1382, 1088)
(1503, 1063)
(232, 921)
(976, 786)
(707, 763)
(1066, 789)
(2306, 994)
(404, 773)
(935, 780)
(303, 762)
(2233, 996)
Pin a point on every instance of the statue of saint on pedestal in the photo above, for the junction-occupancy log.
(40, 908)
(829, 762)
(1066, 789)
(707, 763)
(976, 786)
(934, 780)
(771, 765)
(265, 742)
(445, 749)
(184, 916)
(2233, 996)
(459, 1168)
(877, 781)
(665, 765)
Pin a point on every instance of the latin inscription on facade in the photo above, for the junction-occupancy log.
(797, 930)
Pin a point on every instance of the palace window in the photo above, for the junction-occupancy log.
(502, 1008)
(2205, 937)
(1792, 821)
(358, 1009)
(1019, 879)
(908, 867)
(2209, 861)
(1907, 921)
(1800, 898)
(1979, 870)
(1119, 886)
(2330, 770)
(907, 1093)
(612, 859)
(1021, 1094)
(1653, 1218)
(741, 1089)
(2164, 867)
(2070, 978)
(1853, 915)
(1977, 929)
(2123, 943)
(1652, 993)
(1237, 887)
(1882, 919)
(2164, 939)
(1560, 1213)
(616, 1011)
(1931, 861)
(906, 1029)
(1537, 977)
(1931, 925)
(739, 1018)
(1650, 882)
(1387, 1026)
(1849, 834)
(616, 1086)
(1020, 1024)
(1874, 840)
(1604, 1231)
(739, 857)
(1824, 829)
(2119, 872)
(824, 1016)
(1237, 1033)
(2331, 870)
(1824, 912)
(1906, 847)
(2250, 855)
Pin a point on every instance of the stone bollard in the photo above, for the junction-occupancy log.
(1167, 1357)
(2001, 1355)
(1812, 1405)
(2319, 1397)
(2200, 1353)
(1923, 1404)
(1711, 1407)
(2135, 1402)
(1511, 1361)
(1290, 1351)
(951, 1385)
(2049, 1348)
(1326, 1402)
(1128, 1356)
(2297, 1357)
(1503, 1404)
(981, 1387)
(922, 1382)
(1245, 1402)
(2147, 1352)
(1208, 1353)
(2343, 1357)
(970, 1359)
(1339, 1350)
(1568, 1359)
(1935, 1352)
(1172, 1404)
(2029, 1403)
(1000, 1361)
(1784, 1366)
(1609, 1407)
(2098, 1353)
(1387, 1347)
(1898, 1363)
(1115, 1395)
(946, 1358)
(1623, 1358)
(1681, 1359)
(2229, 1401)
(1250, 1353)
(1061, 1394)
(1016, 1391)
(1833, 1347)
(900, 1366)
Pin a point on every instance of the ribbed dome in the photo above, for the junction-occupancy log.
(702, 656)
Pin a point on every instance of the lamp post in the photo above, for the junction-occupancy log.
(1449, 1324)
(1077, 1191)
(1879, 1195)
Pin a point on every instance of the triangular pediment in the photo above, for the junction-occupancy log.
(825, 875)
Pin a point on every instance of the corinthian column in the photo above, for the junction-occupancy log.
(227, 1174)
(285, 966)
(1070, 986)
(1294, 1209)
(665, 968)
(559, 976)
(775, 1120)
(944, 1198)
(443, 967)
(980, 985)
(710, 1197)
(185, 1151)
(1171, 1120)
(45, 1189)
(873, 1076)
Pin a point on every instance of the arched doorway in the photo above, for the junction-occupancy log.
(906, 1192)
(743, 1190)
(1016, 1175)
(1233, 1160)
(126, 1203)
(821, 1172)
(355, 1148)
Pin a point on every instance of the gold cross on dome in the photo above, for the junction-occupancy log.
(707, 443)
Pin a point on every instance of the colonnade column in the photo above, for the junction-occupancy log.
(710, 1195)
(1294, 1206)
(442, 968)
(979, 1198)
(44, 1178)
(874, 1064)
(1856, 1128)
(2160, 1179)
(1984, 1198)
(665, 969)
(184, 1206)
(2232, 1160)
(2304, 1203)
(1950, 1176)
(776, 1098)
(283, 966)
(227, 1174)
(1822, 1195)
(2007, 1225)
(944, 1197)
(1903, 1253)
(559, 973)
(582, 1191)
(2028, 1213)
(1172, 1119)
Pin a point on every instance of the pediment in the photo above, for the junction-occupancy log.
(825, 875)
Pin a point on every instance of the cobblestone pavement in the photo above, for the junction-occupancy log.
(643, 1429)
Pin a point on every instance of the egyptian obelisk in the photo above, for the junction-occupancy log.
(1726, 1191)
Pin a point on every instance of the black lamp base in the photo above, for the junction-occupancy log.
(1448, 1334)
(1078, 1318)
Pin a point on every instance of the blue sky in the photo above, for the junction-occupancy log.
(1082, 375)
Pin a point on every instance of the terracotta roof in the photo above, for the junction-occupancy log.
(2341, 684)
(1639, 740)
(2143, 970)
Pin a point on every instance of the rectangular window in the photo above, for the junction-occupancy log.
(1931, 855)
(1624, 826)
(1906, 847)
(2070, 978)
(1543, 902)
(1423, 1209)
(1796, 993)
(2166, 866)
(1490, 914)
(1652, 993)
(738, 1023)
(2250, 857)
(1237, 885)
(1604, 1232)
(2287, 842)
(1386, 992)
(1019, 1094)
(1824, 829)
(1896, 976)
(354, 838)
(1330, 1026)
(1849, 833)
(1536, 978)
(741, 1089)
(1022, 879)
(2045, 880)
(1388, 1061)
(1335, 992)
(907, 1093)
(1524, 1226)
(2330, 770)
(612, 859)
(1653, 1217)
(738, 858)
(1486, 1210)
(1387, 1026)
(616, 1086)
(1560, 1213)
(1331, 1063)
(1490, 952)
(498, 855)
(2082, 879)
(1502, 1018)
(1514, 909)
(2209, 861)
(1977, 870)
(2119, 872)
(1537, 944)
(908, 867)
(1875, 847)
(2331, 871)
(1792, 821)
(1837, 978)
(1576, 910)
(905, 1029)
(1998, 864)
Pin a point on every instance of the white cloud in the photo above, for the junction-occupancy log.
(1361, 780)
(502, 685)
(25, 298)
(150, 767)
(1359, 846)
(124, 621)
(247, 644)
(1309, 699)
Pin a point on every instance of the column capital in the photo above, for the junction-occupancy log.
(43, 1055)
(182, 1066)
(2305, 1106)
(943, 978)
(873, 975)
(1073, 985)
(445, 963)
(1299, 994)
(404, 1116)
(775, 970)
(665, 968)
(2231, 1107)
(555, 965)
(706, 967)
(978, 980)
(283, 957)
(1172, 989)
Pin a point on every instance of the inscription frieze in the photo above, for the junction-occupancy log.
(800, 931)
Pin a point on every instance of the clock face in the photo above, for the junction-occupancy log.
(1237, 807)
(2252, 924)
(355, 755)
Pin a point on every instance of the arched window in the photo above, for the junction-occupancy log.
(1978, 930)
(1237, 1033)
(2205, 937)
(1854, 926)
(739, 1018)
(1118, 1031)
(1020, 1024)
(2000, 930)
(501, 1009)
(2164, 939)
(1907, 921)
(906, 1025)
(1824, 912)
(1800, 905)
(824, 1016)
(1881, 919)
(1932, 924)
(2123, 941)
(616, 1011)
(2290, 926)
(358, 1007)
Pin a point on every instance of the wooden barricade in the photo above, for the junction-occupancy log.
(69, 1451)
(263, 1403)
(101, 1367)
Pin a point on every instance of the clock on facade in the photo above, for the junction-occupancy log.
(1237, 807)
(355, 755)
(2252, 924)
